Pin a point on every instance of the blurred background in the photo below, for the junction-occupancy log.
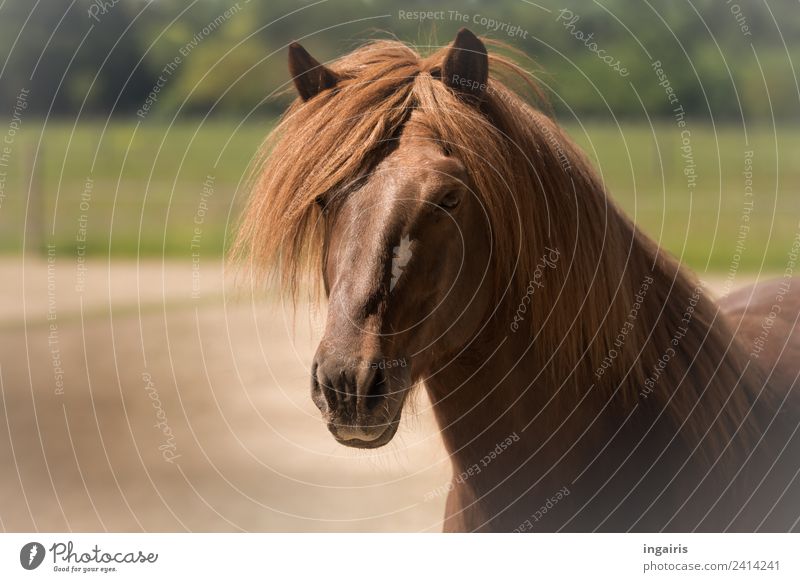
(144, 389)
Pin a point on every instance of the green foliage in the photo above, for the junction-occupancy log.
(111, 62)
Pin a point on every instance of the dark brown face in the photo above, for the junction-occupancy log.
(406, 265)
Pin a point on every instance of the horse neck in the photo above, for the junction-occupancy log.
(544, 386)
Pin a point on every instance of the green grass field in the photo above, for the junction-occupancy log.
(147, 182)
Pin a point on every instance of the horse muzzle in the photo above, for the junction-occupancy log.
(361, 400)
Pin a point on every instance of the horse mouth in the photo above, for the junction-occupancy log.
(381, 438)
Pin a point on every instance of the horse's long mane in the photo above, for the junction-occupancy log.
(539, 191)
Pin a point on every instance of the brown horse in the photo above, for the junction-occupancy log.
(581, 379)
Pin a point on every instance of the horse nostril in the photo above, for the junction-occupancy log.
(323, 392)
(377, 390)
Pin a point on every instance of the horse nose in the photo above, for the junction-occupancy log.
(348, 389)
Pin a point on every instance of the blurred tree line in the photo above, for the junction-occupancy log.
(99, 57)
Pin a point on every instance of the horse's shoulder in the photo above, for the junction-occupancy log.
(764, 295)
(765, 318)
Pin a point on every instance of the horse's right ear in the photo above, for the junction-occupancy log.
(309, 76)
(466, 66)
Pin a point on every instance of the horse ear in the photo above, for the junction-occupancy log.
(309, 76)
(466, 66)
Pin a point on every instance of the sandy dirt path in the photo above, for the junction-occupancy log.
(130, 404)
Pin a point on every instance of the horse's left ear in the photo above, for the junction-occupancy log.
(309, 76)
(466, 66)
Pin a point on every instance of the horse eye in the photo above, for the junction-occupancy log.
(450, 200)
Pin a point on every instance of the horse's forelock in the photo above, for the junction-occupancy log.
(327, 142)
